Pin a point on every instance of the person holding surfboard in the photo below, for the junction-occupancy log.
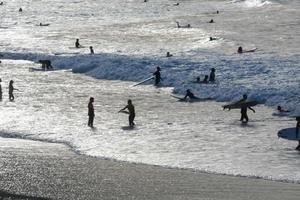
(157, 76)
(244, 109)
(131, 110)
(91, 112)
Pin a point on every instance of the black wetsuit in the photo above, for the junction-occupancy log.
(190, 95)
(0, 92)
(10, 92)
(91, 114)
(131, 117)
(157, 77)
(244, 110)
(212, 77)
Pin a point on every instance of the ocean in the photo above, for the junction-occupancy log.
(130, 39)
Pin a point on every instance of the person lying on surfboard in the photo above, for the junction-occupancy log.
(244, 109)
(281, 110)
(240, 50)
(131, 110)
(189, 94)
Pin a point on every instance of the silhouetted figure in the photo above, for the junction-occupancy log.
(240, 50)
(281, 110)
(217, 12)
(0, 90)
(157, 76)
(20, 9)
(189, 94)
(186, 26)
(297, 131)
(91, 50)
(244, 109)
(91, 112)
(211, 38)
(131, 110)
(198, 80)
(211, 21)
(169, 55)
(176, 4)
(145, 1)
(77, 45)
(41, 24)
(212, 75)
(46, 64)
(205, 80)
(11, 90)
(1, 3)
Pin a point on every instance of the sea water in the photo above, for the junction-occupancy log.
(130, 38)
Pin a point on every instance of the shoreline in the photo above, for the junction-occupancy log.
(40, 170)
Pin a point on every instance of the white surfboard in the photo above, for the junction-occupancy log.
(289, 134)
(143, 81)
(238, 105)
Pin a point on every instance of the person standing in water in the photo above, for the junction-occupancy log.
(77, 45)
(244, 109)
(11, 90)
(91, 50)
(0, 90)
(91, 112)
(131, 110)
(157, 76)
(212, 75)
(298, 131)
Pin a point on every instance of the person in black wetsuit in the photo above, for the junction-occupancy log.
(0, 90)
(157, 76)
(298, 131)
(131, 110)
(91, 50)
(189, 94)
(91, 112)
(244, 109)
(11, 90)
(205, 80)
(212, 75)
(77, 45)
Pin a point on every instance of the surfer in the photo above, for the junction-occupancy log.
(0, 90)
(11, 90)
(205, 80)
(281, 110)
(211, 21)
(20, 9)
(91, 112)
(186, 26)
(1, 3)
(212, 75)
(297, 131)
(240, 50)
(189, 94)
(157, 76)
(77, 45)
(131, 110)
(244, 109)
(211, 38)
(169, 55)
(46, 64)
(91, 50)
(41, 24)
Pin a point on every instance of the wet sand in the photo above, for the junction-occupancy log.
(39, 170)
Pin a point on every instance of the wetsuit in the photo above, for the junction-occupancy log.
(244, 111)
(0, 92)
(10, 92)
(131, 117)
(190, 95)
(91, 114)
(297, 132)
(212, 77)
(157, 77)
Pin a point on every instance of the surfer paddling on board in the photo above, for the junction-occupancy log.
(189, 94)
(244, 109)
(91, 112)
(131, 110)
(240, 50)
(157, 76)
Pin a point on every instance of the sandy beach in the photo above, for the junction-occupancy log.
(39, 170)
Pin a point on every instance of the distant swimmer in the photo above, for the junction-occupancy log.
(46, 64)
(185, 26)
(20, 9)
(169, 55)
(11, 90)
(176, 4)
(91, 50)
(298, 131)
(131, 110)
(240, 50)
(91, 112)
(244, 110)
(281, 110)
(41, 24)
(217, 12)
(77, 45)
(212, 75)
(205, 80)
(189, 94)
(0, 90)
(157, 76)
(211, 21)
(212, 38)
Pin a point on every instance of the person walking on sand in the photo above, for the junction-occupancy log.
(157, 76)
(131, 110)
(11, 90)
(91, 112)
(244, 109)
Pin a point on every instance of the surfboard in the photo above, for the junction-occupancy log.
(126, 128)
(143, 81)
(249, 51)
(289, 134)
(238, 105)
(39, 69)
(80, 47)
